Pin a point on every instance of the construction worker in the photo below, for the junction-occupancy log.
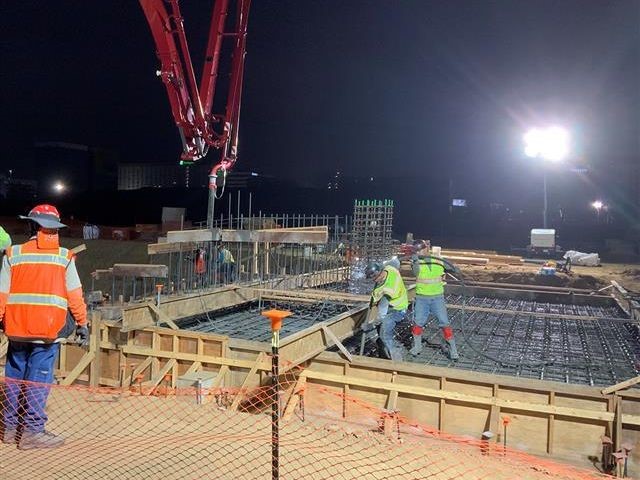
(5, 241)
(390, 295)
(429, 274)
(41, 303)
(227, 264)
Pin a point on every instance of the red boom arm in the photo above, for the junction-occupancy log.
(199, 128)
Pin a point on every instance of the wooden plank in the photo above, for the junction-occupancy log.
(294, 398)
(153, 383)
(194, 357)
(140, 270)
(621, 385)
(78, 369)
(337, 343)
(162, 317)
(466, 260)
(472, 399)
(551, 425)
(219, 380)
(190, 236)
(80, 248)
(138, 370)
(242, 390)
(392, 399)
(442, 406)
(193, 368)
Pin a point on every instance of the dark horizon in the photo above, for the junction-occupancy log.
(437, 91)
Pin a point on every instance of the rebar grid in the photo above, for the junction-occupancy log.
(594, 351)
(246, 322)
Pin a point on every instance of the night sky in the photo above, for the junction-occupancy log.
(434, 89)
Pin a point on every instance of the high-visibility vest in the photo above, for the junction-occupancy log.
(37, 301)
(429, 280)
(393, 288)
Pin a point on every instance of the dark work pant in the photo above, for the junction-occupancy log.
(25, 403)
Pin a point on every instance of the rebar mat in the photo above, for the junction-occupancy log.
(246, 322)
(595, 351)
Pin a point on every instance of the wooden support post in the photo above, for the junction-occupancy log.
(153, 383)
(392, 398)
(294, 398)
(550, 424)
(78, 369)
(219, 380)
(617, 421)
(162, 317)
(241, 392)
(331, 336)
(345, 391)
(94, 346)
(443, 386)
(193, 368)
(138, 370)
(494, 415)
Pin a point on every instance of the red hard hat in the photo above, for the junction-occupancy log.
(45, 215)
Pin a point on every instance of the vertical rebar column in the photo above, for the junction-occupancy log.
(276, 317)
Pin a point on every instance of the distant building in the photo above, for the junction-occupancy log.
(134, 176)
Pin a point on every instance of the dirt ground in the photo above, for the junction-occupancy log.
(590, 278)
(173, 438)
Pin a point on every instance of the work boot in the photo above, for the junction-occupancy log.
(417, 345)
(31, 440)
(9, 435)
(453, 351)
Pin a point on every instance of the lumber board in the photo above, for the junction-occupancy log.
(146, 363)
(162, 317)
(142, 270)
(311, 294)
(219, 380)
(80, 248)
(78, 369)
(190, 236)
(619, 386)
(580, 413)
(153, 383)
(241, 392)
(193, 368)
(194, 357)
(337, 342)
(294, 398)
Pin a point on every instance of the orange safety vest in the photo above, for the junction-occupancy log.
(37, 301)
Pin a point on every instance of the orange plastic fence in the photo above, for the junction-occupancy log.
(222, 433)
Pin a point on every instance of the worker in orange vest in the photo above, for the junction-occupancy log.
(41, 303)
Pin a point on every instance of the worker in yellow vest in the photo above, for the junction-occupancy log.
(390, 295)
(429, 274)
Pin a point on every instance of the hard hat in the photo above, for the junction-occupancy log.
(373, 269)
(5, 240)
(46, 216)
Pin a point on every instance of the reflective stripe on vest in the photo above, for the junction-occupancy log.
(393, 288)
(429, 279)
(37, 299)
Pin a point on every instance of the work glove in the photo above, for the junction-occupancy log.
(414, 257)
(82, 335)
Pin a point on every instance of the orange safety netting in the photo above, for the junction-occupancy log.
(223, 433)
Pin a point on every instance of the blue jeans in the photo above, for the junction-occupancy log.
(435, 305)
(25, 403)
(388, 325)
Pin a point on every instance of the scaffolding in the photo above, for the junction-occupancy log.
(372, 229)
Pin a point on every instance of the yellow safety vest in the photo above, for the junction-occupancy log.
(393, 288)
(429, 280)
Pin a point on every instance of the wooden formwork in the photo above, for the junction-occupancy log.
(546, 418)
